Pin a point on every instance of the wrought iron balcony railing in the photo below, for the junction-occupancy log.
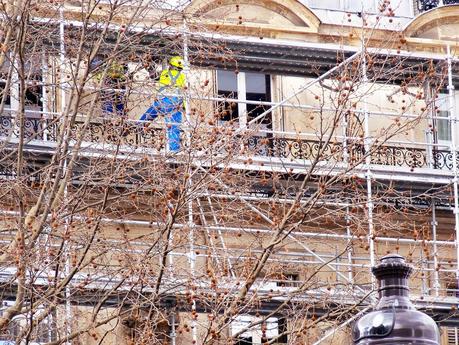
(34, 128)
(387, 155)
(425, 5)
(107, 132)
(136, 134)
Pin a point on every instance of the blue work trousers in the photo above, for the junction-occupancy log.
(113, 103)
(171, 109)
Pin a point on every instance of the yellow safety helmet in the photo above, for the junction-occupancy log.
(176, 61)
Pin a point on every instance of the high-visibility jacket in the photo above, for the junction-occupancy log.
(115, 73)
(172, 80)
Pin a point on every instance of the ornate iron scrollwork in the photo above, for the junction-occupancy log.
(425, 5)
(33, 129)
(410, 157)
(6, 125)
(116, 131)
(123, 133)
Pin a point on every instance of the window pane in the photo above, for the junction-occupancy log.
(353, 5)
(258, 89)
(402, 8)
(282, 327)
(443, 126)
(326, 4)
(4, 94)
(226, 81)
(255, 83)
(227, 87)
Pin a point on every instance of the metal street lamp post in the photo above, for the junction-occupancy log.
(394, 320)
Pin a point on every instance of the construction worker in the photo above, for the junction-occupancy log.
(113, 88)
(170, 103)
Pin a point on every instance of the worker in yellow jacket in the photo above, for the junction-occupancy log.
(170, 102)
(113, 88)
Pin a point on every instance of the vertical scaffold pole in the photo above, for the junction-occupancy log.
(344, 124)
(452, 117)
(436, 284)
(44, 97)
(369, 175)
(14, 94)
(349, 250)
(173, 334)
(241, 95)
(62, 58)
(68, 307)
(191, 225)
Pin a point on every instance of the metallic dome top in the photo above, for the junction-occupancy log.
(392, 265)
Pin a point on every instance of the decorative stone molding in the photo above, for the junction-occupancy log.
(441, 23)
(275, 15)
